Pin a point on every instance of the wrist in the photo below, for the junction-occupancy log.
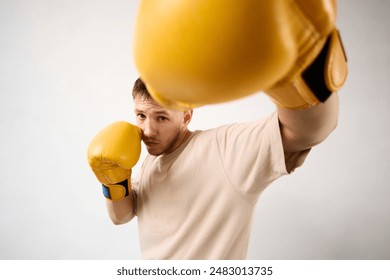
(116, 191)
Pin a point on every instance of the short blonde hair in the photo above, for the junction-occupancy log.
(140, 90)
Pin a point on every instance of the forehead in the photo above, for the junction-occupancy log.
(150, 106)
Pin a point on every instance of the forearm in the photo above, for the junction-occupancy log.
(305, 128)
(121, 211)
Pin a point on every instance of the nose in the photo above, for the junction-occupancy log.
(149, 128)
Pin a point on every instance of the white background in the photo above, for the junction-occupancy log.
(67, 71)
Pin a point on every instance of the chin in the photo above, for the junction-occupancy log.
(154, 152)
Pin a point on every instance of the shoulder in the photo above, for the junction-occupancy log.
(268, 123)
(250, 135)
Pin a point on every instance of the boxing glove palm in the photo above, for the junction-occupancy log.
(111, 155)
(191, 53)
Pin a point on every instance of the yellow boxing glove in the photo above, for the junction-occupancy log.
(191, 53)
(111, 154)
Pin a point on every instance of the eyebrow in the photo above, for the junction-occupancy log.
(158, 112)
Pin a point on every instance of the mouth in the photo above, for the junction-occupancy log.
(150, 143)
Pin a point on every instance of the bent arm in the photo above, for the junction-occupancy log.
(122, 211)
(305, 128)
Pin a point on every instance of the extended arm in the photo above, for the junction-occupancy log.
(305, 128)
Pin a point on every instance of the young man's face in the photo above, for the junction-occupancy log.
(163, 129)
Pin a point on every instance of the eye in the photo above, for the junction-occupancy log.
(141, 116)
(162, 118)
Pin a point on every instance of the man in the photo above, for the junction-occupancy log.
(195, 195)
(196, 192)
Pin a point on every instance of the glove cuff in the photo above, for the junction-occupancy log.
(116, 192)
(325, 75)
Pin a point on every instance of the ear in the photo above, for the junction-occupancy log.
(187, 116)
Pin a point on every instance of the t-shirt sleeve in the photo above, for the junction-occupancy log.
(252, 155)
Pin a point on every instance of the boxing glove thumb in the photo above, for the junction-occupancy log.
(112, 154)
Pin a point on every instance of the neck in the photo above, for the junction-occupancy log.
(181, 139)
(184, 138)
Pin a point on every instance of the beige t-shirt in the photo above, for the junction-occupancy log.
(198, 202)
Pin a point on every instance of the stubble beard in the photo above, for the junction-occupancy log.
(169, 148)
